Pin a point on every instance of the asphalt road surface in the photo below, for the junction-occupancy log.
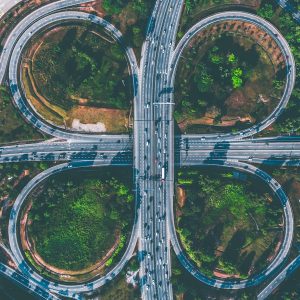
(153, 150)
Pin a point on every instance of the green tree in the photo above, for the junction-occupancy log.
(231, 58)
(236, 79)
(266, 11)
(203, 79)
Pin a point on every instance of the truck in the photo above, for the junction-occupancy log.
(163, 174)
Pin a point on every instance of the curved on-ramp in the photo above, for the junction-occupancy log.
(277, 37)
(20, 101)
(38, 21)
(285, 246)
(68, 290)
(19, 29)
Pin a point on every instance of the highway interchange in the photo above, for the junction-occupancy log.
(153, 140)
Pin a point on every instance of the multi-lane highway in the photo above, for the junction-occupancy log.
(151, 157)
(187, 152)
(153, 151)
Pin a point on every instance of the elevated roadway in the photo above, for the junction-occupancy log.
(67, 290)
(285, 246)
(272, 32)
(260, 151)
(19, 29)
(223, 150)
(151, 161)
(73, 290)
(154, 153)
(27, 110)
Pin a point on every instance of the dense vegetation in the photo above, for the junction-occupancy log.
(289, 122)
(12, 291)
(119, 288)
(131, 16)
(289, 178)
(13, 173)
(75, 221)
(186, 287)
(12, 126)
(290, 289)
(223, 80)
(13, 177)
(82, 65)
(227, 224)
(114, 7)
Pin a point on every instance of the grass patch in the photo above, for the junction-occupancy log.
(131, 17)
(78, 63)
(12, 126)
(79, 74)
